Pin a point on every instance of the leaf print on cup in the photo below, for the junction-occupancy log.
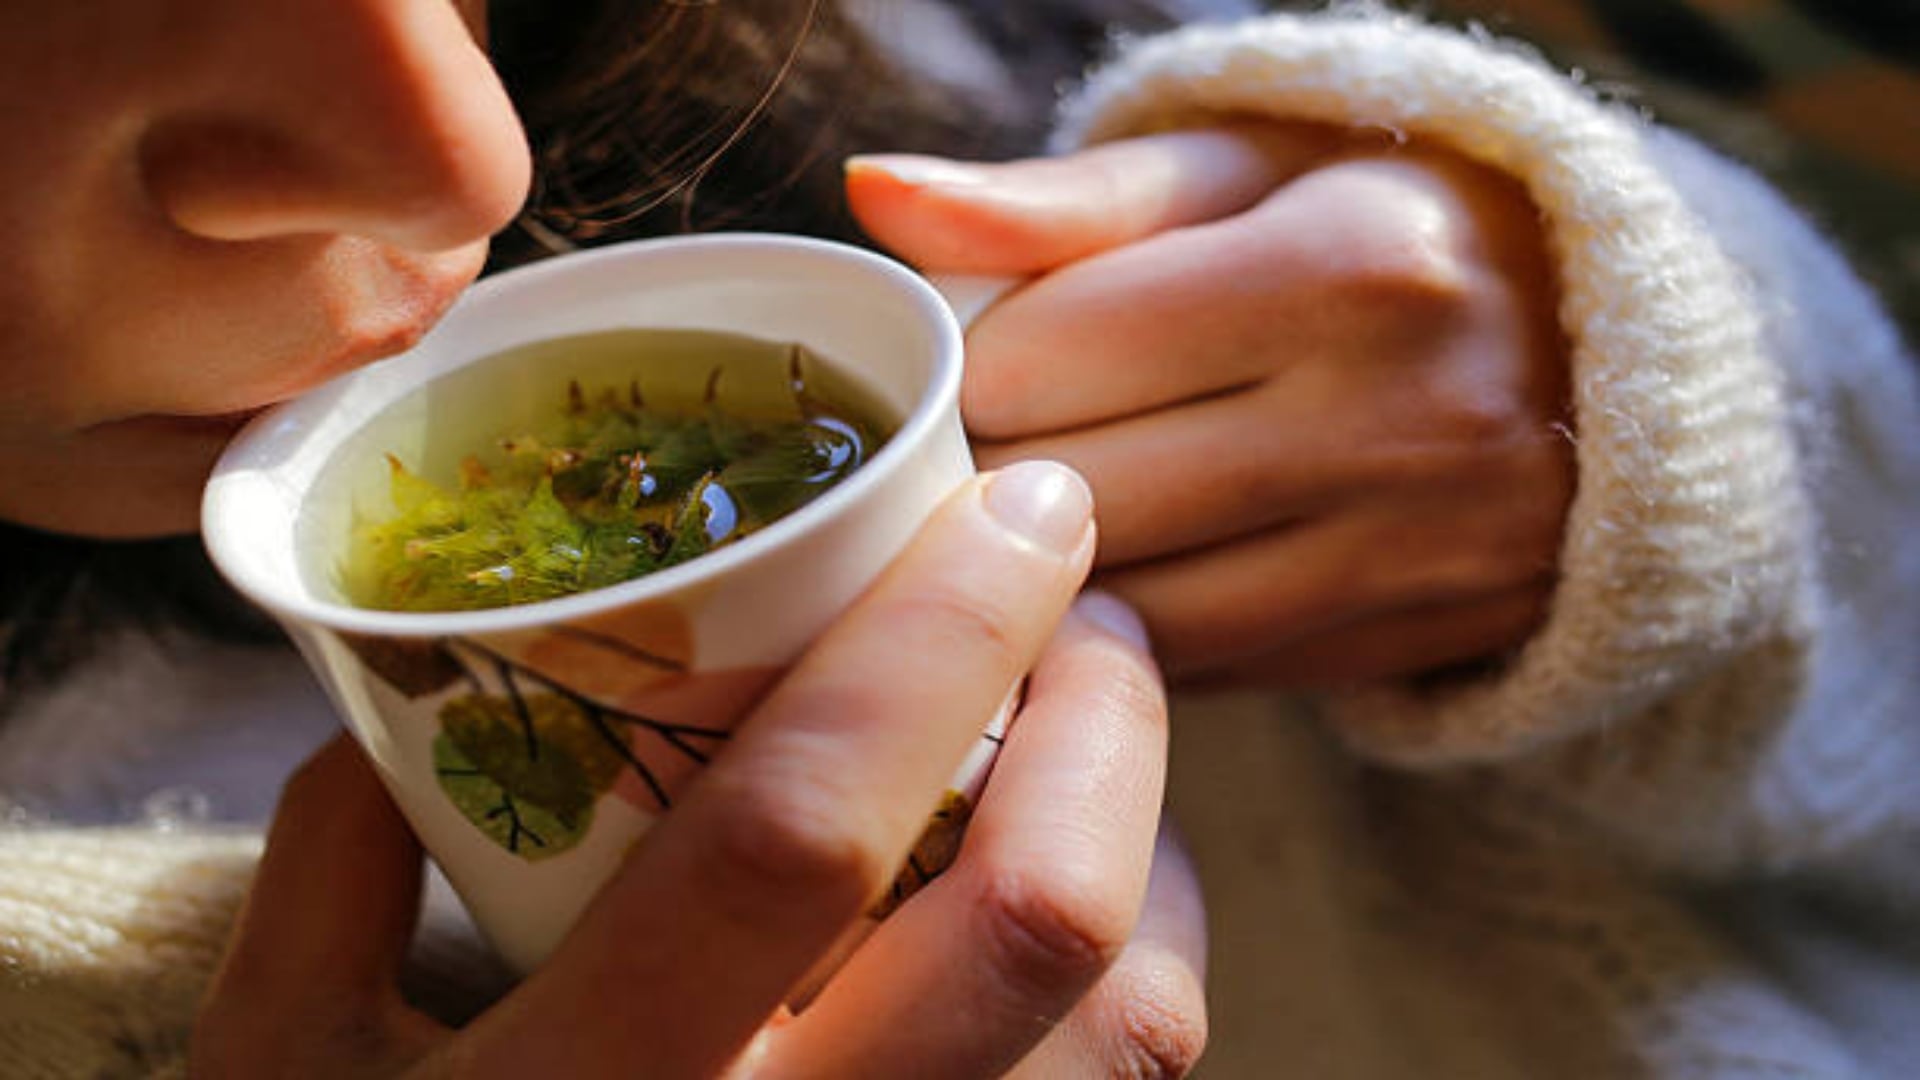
(633, 671)
(937, 848)
(614, 658)
(677, 726)
(545, 744)
(526, 769)
(414, 666)
(541, 724)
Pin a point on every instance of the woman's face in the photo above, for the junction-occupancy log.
(211, 205)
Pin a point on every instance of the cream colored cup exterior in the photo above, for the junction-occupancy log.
(749, 608)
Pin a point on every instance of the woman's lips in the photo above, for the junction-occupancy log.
(169, 434)
(216, 424)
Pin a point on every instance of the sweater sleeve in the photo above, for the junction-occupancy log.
(1732, 580)
(107, 941)
(109, 938)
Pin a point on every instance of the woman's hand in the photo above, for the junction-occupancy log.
(1315, 381)
(681, 965)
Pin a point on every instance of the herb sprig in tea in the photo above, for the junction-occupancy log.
(618, 489)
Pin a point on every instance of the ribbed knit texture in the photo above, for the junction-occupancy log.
(107, 938)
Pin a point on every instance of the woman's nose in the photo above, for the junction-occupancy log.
(373, 118)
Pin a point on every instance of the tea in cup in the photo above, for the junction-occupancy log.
(540, 614)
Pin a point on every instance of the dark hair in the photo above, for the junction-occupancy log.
(664, 116)
(60, 593)
(645, 117)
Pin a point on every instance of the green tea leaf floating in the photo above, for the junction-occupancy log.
(526, 769)
(616, 486)
(794, 466)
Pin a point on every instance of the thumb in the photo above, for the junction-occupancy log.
(1030, 216)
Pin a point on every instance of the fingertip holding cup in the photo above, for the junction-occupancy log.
(614, 698)
(1043, 503)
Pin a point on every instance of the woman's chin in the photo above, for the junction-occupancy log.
(223, 426)
(126, 480)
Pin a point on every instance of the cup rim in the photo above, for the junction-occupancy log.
(289, 420)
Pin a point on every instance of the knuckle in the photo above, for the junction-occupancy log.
(1477, 561)
(776, 841)
(1049, 932)
(1477, 412)
(1444, 576)
(1397, 248)
(1472, 397)
(1412, 278)
(966, 622)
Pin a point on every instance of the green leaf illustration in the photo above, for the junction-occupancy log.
(414, 666)
(525, 769)
(522, 828)
(937, 848)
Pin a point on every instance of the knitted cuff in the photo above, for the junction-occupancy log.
(107, 940)
(1687, 542)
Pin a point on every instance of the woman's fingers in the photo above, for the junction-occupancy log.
(1216, 609)
(1307, 445)
(325, 928)
(1394, 644)
(1363, 265)
(1113, 221)
(791, 833)
(1026, 217)
(1170, 318)
(335, 831)
(973, 972)
(1194, 475)
(1148, 1015)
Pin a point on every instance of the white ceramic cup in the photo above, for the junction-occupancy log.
(664, 664)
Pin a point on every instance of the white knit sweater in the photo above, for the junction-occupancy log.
(1677, 836)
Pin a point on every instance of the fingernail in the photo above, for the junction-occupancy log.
(915, 170)
(1114, 615)
(1043, 503)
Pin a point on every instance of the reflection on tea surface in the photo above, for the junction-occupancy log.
(587, 461)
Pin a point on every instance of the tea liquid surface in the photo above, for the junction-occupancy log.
(582, 462)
